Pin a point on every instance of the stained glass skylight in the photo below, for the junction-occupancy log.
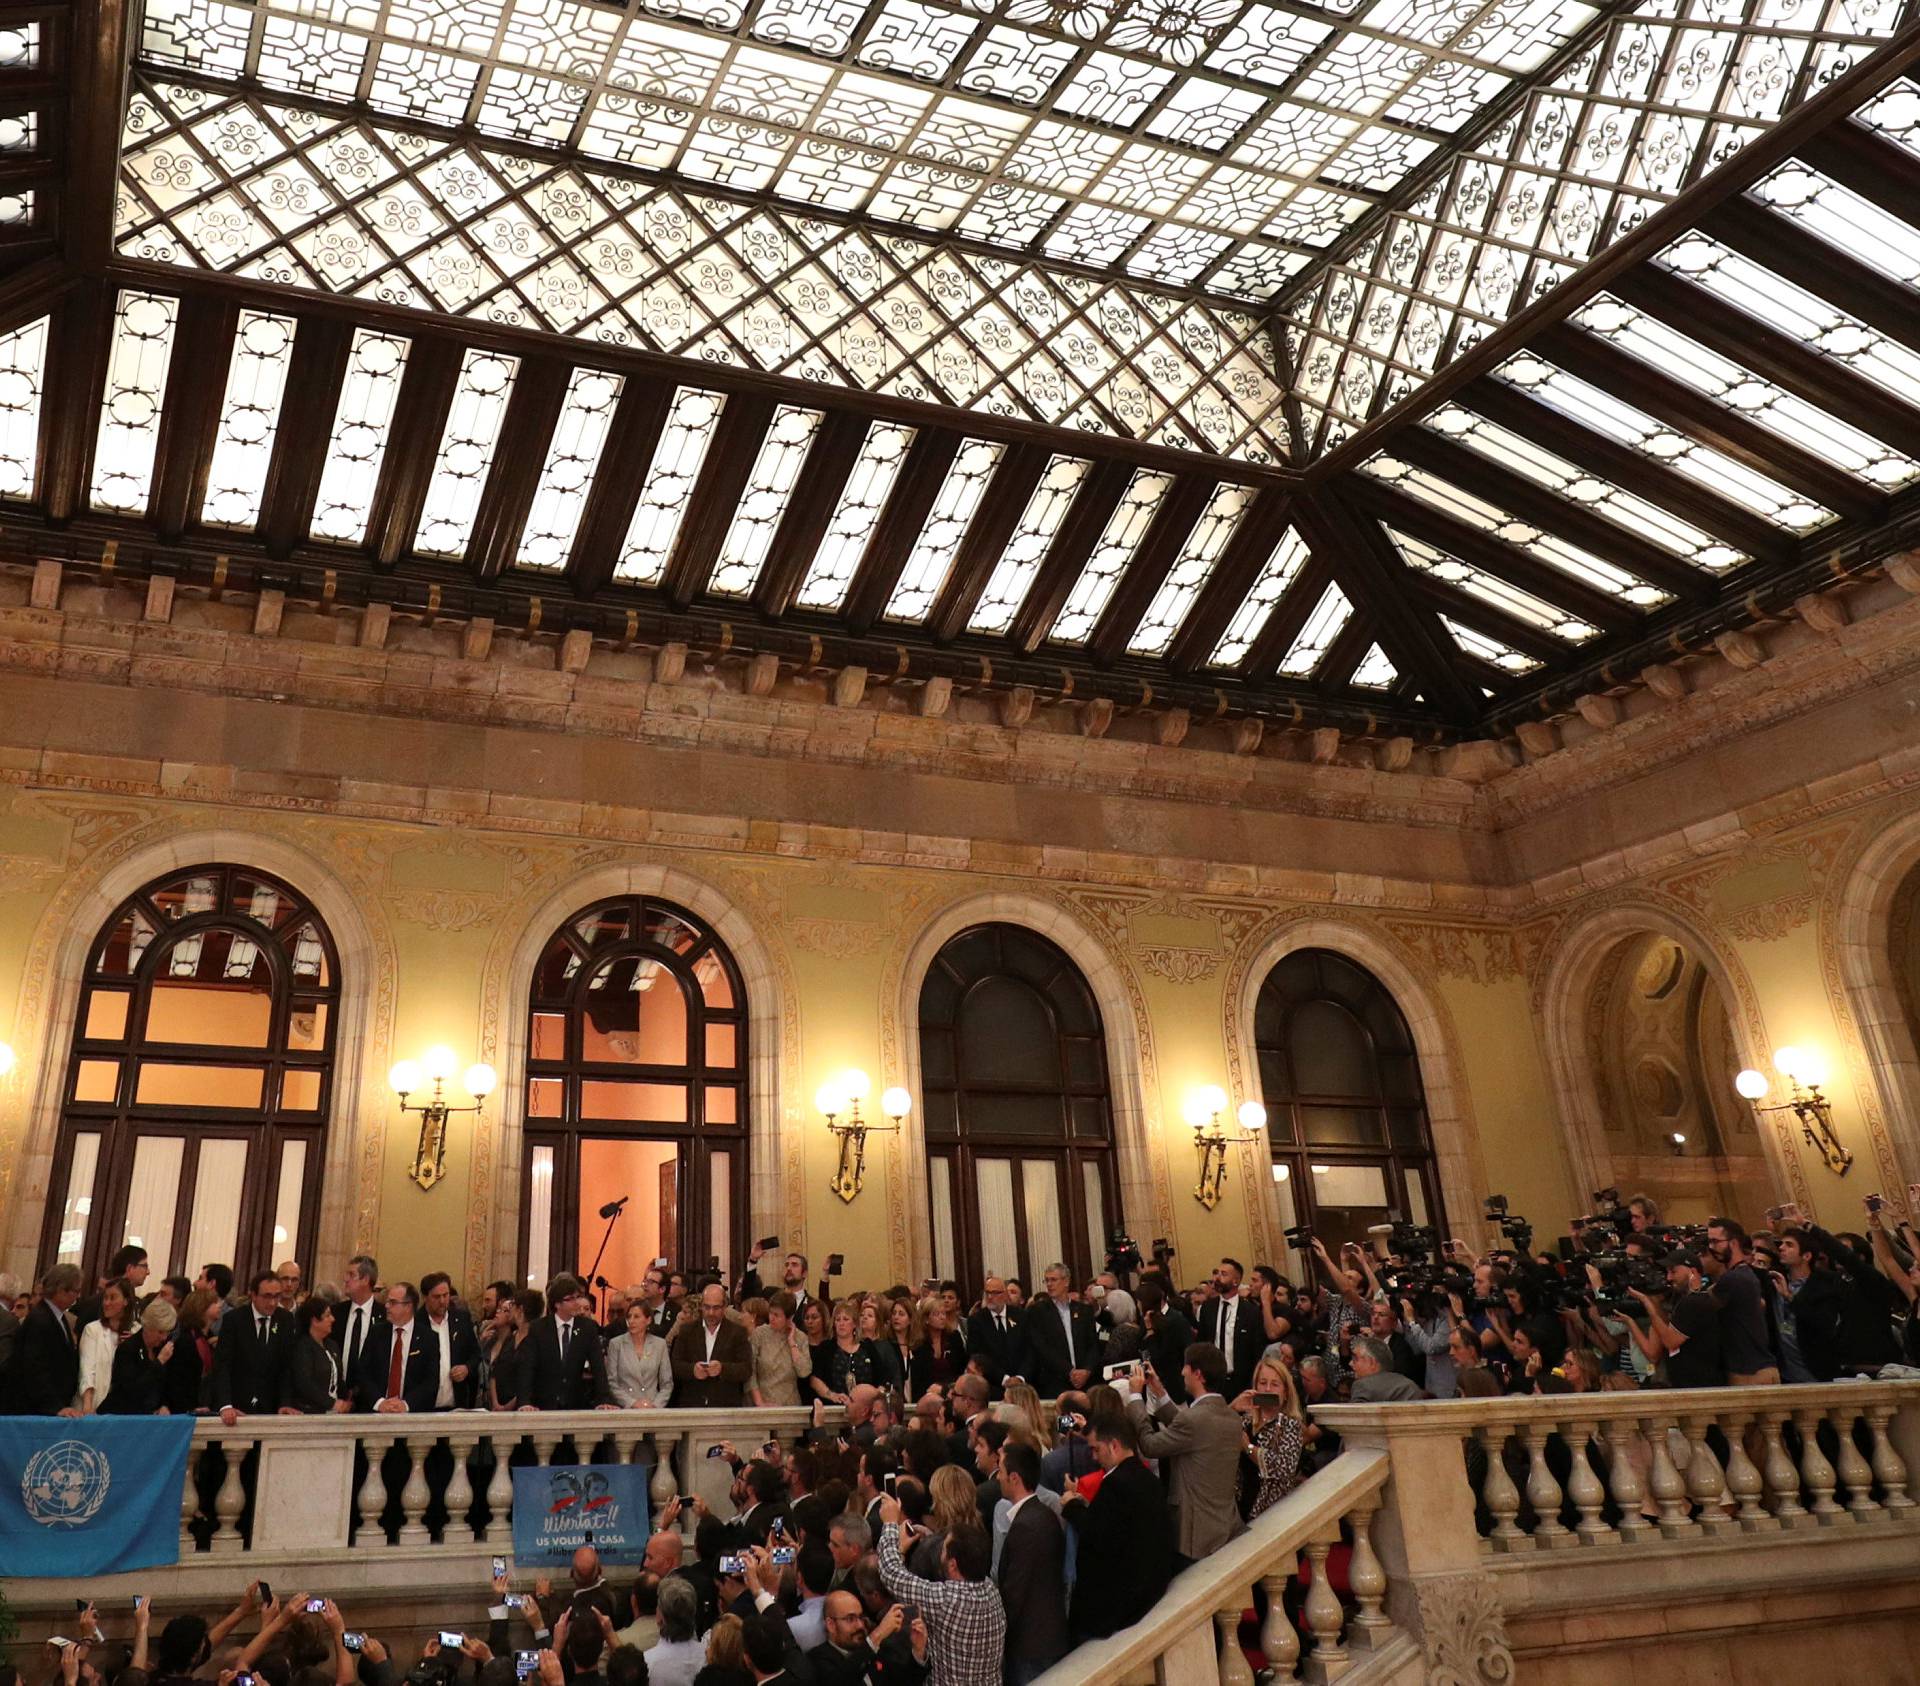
(136, 387)
(566, 477)
(769, 489)
(1014, 572)
(1281, 569)
(23, 368)
(946, 525)
(668, 486)
(1488, 649)
(1190, 570)
(467, 448)
(1329, 617)
(1125, 528)
(249, 419)
(882, 454)
(1424, 558)
(376, 364)
(1375, 672)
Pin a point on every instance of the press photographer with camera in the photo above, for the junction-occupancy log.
(1687, 1335)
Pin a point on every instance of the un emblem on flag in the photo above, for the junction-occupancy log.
(65, 1484)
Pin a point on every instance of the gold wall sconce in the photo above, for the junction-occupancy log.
(1202, 1110)
(1804, 1071)
(839, 1101)
(436, 1066)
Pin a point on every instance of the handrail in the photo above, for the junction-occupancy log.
(778, 1421)
(1311, 1513)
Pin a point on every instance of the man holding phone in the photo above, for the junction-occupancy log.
(793, 1274)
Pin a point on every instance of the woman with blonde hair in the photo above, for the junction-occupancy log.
(1275, 1434)
(956, 1504)
(727, 1644)
(1021, 1409)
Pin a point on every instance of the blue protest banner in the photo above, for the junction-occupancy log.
(90, 1495)
(557, 1508)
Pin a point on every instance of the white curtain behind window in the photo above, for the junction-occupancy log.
(213, 1235)
(999, 1243)
(152, 1200)
(1040, 1185)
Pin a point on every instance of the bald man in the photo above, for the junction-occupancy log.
(587, 1587)
(662, 1555)
(849, 1655)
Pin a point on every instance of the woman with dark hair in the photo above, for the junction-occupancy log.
(901, 1342)
(313, 1373)
(100, 1340)
(819, 1334)
(190, 1370)
(940, 1357)
(513, 1368)
(140, 1367)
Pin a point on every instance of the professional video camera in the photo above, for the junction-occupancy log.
(1123, 1252)
(1515, 1229)
(1299, 1235)
(1620, 1273)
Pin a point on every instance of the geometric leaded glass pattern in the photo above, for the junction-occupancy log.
(23, 366)
(376, 365)
(1013, 574)
(560, 498)
(1309, 648)
(1495, 592)
(769, 489)
(668, 487)
(249, 419)
(1276, 578)
(933, 552)
(1190, 570)
(829, 575)
(136, 387)
(467, 448)
(1666, 90)
(1125, 528)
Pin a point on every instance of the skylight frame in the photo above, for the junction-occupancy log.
(552, 527)
(777, 466)
(930, 560)
(829, 575)
(1119, 542)
(1026, 549)
(469, 442)
(361, 432)
(666, 490)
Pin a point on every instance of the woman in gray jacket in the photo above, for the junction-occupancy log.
(781, 1356)
(639, 1374)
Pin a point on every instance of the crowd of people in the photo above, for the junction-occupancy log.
(1006, 1480)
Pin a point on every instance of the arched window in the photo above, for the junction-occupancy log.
(1346, 1112)
(198, 1090)
(636, 1092)
(1013, 1072)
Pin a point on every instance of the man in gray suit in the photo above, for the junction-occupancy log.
(1199, 1446)
(1375, 1381)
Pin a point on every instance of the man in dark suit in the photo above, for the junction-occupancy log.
(452, 1327)
(712, 1358)
(993, 1334)
(1059, 1341)
(1033, 1571)
(1233, 1323)
(1125, 1536)
(45, 1374)
(250, 1361)
(355, 1318)
(412, 1383)
(567, 1370)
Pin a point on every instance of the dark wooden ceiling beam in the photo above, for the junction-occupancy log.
(1503, 561)
(1099, 496)
(1682, 407)
(1376, 582)
(96, 107)
(1147, 569)
(830, 464)
(716, 497)
(624, 459)
(314, 378)
(908, 505)
(1877, 169)
(1234, 575)
(526, 435)
(1553, 513)
(1824, 382)
(70, 419)
(190, 412)
(1586, 448)
(1334, 671)
(1008, 493)
(1285, 623)
(413, 442)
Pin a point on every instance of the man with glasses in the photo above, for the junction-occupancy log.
(993, 1334)
(400, 1366)
(1059, 1344)
(712, 1357)
(289, 1274)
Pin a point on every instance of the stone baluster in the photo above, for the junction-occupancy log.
(1498, 1491)
(414, 1495)
(661, 1486)
(1330, 1659)
(1623, 1479)
(231, 1499)
(1815, 1471)
(373, 1493)
(1543, 1492)
(1279, 1638)
(459, 1491)
(1235, 1670)
(190, 1502)
(1706, 1487)
(1889, 1468)
(1783, 1480)
(1669, 1490)
(1856, 1474)
(1584, 1488)
(1371, 1626)
(1743, 1478)
(500, 1487)
(544, 1446)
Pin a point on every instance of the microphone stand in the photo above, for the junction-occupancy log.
(619, 1206)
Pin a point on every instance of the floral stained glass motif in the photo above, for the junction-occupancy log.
(137, 364)
(573, 458)
(763, 503)
(1125, 528)
(668, 487)
(249, 419)
(23, 367)
(1013, 574)
(376, 364)
(466, 453)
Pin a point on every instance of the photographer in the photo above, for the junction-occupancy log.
(1848, 1324)
(1348, 1307)
(1689, 1342)
(1905, 1277)
(1746, 1338)
(1429, 1341)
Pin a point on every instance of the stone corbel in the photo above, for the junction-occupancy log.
(159, 607)
(936, 697)
(1171, 728)
(575, 648)
(1016, 706)
(1323, 745)
(46, 583)
(1096, 715)
(762, 671)
(1537, 737)
(1598, 710)
(1741, 649)
(1823, 611)
(669, 664)
(1669, 684)
(1904, 571)
(849, 686)
(477, 643)
(374, 621)
(1395, 755)
(1247, 735)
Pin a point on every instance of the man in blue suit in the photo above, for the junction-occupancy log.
(411, 1383)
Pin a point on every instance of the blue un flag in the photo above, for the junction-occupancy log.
(90, 1495)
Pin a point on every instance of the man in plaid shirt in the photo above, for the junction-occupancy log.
(966, 1622)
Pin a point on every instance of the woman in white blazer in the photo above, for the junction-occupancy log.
(638, 1371)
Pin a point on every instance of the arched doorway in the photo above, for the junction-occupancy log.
(1347, 1119)
(1018, 1116)
(636, 1092)
(1661, 1059)
(194, 1113)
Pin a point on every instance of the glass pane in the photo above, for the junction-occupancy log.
(263, 903)
(1096, 1198)
(543, 1097)
(936, 1056)
(715, 985)
(97, 1080)
(1089, 1119)
(153, 1199)
(1006, 1034)
(722, 1040)
(1296, 1265)
(942, 1117)
(1014, 1115)
(1084, 1065)
(129, 941)
(214, 1234)
(669, 930)
(1341, 1126)
(720, 1207)
(549, 1041)
(107, 1015)
(604, 925)
(653, 1103)
(634, 1013)
(556, 970)
(1408, 1128)
(1040, 1188)
(286, 1200)
(539, 1215)
(199, 1085)
(308, 957)
(1347, 1199)
(647, 1175)
(940, 1188)
(1416, 1193)
(999, 1244)
(217, 957)
(1399, 1077)
(299, 1091)
(307, 1025)
(1331, 1054)
(723, 1105)
(76, 1211)
(228, 1016)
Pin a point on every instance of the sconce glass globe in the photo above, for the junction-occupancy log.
(480, 1080)
(1813, 1069)
(1280, 1173)
(1751, 1084)
(829, 1098)
(6, 1059)
(896, 1103)
(1253, 1116)
(1194, 1108)
(441, 1062)
(405, 1077)
(1788, 1061)
(1678, 1139)
(1214, 1099)
(855, 1084)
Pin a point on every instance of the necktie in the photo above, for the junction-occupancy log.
(396, 1367)
(260, 1330)
(566, 1329)
(359, 1315)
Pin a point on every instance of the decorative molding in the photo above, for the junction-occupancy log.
(1180, 965)
(1476, 953)
(836, 939)
(1463, 1630)
(444, 910)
